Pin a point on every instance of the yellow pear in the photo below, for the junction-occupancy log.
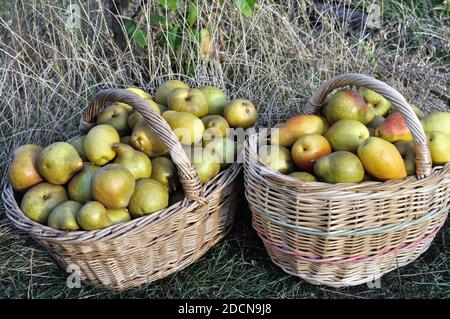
(115, 115)
(118, 216)
(296, 127)
(99, 142)
(113, 185)
(437, 121)
(215, 98)
(23, 172)
(381, 159)
(140, 92)
(188, 100)
(92, 216)
(80, 185)
(133, 119)
(64, 216)
(78, 143)
(166, 88)
(186, 126)
(145, 140)
(58, 162)
(41, 199)
(439, 144)
(216, 122)
(225, 149)
(408, 154)
(304, 176)
(136, 162)
(277, 157)
(240, 113)
(346, 135)
(339, 167)
(206, 163)
(380, 104)
(148, 197)
(165, 172)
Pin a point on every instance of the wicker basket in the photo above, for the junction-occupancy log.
(347, 234)
(151, 247)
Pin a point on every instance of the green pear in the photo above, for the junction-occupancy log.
(80, 185)
(186, 126)
(78, 143)
(125, 139)
(347, 135)
(225, 149)
(64, 216)
(141, 93)
(23, 172)
(340, 167)
(277, 157)
(437, 121)
(93, 215)
(41, 199)
(188, 100)
(148, 197)
(176, 197)
(380, 104)
(348, 105)
(99, 142)
(240, 113)
(165, 172)
(58, 162)
(304, 176)
(408, 154)
(206, 163)
(439, 144)
(215, 98)
(376, 122)
(116, 116)
(166, 88)
(118, 216)
(145, 140)
(113, 185)
(136, 162)
(133, 119)
(216, 122)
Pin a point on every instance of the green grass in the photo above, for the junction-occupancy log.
(275, 58)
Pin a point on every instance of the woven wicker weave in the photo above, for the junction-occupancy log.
(151, 247)
(347, 234)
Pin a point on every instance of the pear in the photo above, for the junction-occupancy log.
(347, 135)
(308, 149)
(165, 172)
(80, 185)
(211, 134)
(188, 100)
(78, 143)
(58, 162)
(166, 88)
(408, 154)
(240, 113)
(206, 163)
(99, 142)
(41, 199)
(326, 126)
(380, 104)
(93, 215)
(136, 162)
(437, 121)
(125, 139)
(215, 99)
(277, 157)
(163, 108)
(394, 129)
(439, 144)
(113, 185)
(376, 122)
(145, 140)
(118, 216)
(225, 149)
(381, 159)
(304, 176)
(216, 122)
(176, 197)
(23, 172)
(186, 126)
(348, 105)
(64, 216)
(116, 116)
(148, 197)
(140, 92)
(296, 127)
(340, 167)
(133, 119)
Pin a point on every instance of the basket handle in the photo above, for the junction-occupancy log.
(188, 175)
(423, 156)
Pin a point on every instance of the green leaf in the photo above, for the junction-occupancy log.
(174, 38)
(246, 6)
(130, 26)
(168, 4)
(221, 2)
(140, 37)
(156, 19)
(192, 14)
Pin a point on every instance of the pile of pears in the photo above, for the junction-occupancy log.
(357, 137)
(120, 169)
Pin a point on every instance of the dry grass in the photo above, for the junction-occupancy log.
(276, 58)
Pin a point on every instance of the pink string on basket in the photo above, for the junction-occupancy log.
(334, 261)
